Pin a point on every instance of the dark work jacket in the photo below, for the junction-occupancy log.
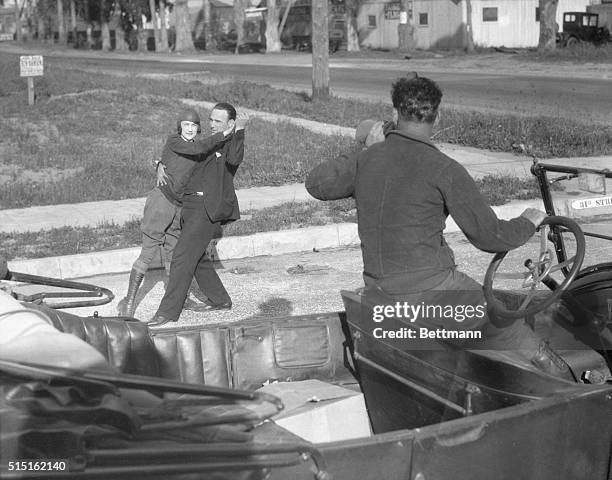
(405, 188)
(214, 176)
(179, 157)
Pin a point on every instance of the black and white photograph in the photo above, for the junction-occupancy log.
(306, 239)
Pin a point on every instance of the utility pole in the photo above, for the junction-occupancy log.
(320, 50)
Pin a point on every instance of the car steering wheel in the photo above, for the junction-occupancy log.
(537, 272)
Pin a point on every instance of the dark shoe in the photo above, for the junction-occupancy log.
(127, 306)
(550, 362)
(208, 306)
(191, 304)
(159, 320)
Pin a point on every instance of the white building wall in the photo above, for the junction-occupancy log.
(442, 30)
(384, 33)
(516, 25)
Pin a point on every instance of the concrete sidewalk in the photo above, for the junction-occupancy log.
(91, 214)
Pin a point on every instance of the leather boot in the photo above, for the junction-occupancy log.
(547, 360)
(127, 306)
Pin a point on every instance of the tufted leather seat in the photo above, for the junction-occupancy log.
(244, 354)
(194, 355)
(126, 345)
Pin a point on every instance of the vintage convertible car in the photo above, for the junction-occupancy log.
(433, 411)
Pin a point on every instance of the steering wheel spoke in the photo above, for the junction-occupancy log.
(559, 266)
(529, 297)
(538, 272)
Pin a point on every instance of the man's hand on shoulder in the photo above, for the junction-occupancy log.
(162, 176)
(242, 119)
(534, 215)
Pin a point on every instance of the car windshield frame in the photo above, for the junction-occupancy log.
(582, 194)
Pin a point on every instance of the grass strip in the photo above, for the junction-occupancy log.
(97, 142)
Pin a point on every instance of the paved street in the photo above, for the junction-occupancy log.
(277, 285)
(493, 82)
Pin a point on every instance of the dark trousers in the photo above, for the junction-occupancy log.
(190, 259)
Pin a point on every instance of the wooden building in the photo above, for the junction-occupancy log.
(442, 23)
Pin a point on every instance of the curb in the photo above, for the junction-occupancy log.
(227, 248)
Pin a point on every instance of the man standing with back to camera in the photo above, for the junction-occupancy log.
(404, 189)
(209, 201)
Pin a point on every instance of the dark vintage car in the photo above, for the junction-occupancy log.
(434, 411)
(582, 27)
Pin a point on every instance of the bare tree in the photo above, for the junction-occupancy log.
(156, 33)
(350, 19)
(288, 5)
(548, 24)
(239, 22)
(61, 27)
(41, 16)
(163, 34)
(73, 22)
(273, 43)
(89, 21)
(208, 25)
(104, 27)
(18, 22)
(184, 40)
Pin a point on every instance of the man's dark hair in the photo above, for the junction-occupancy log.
(416, 98)
(231, 111)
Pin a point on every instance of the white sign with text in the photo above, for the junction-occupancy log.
(31, 65)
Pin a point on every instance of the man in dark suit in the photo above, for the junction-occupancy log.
(209, 201)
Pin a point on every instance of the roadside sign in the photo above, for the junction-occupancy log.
(6, 37)
(596, 202)
(31, 65)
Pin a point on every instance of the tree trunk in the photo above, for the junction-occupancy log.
(469, 32)
(42, 30)
(285, 16)
(121, 44)
(104, 28)
(61, 27)
(142, 34)
(184, 40)
(320, 50)
(89, 27)
(73, 22)
(18, 32)
(208, 26)
(352, 31)
(163, 34)
(548, 24)
(273, 43)
(155, 27)
(239, 22)
(29, 14)
(106, 40)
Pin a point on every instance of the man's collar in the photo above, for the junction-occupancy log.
(412, 136)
